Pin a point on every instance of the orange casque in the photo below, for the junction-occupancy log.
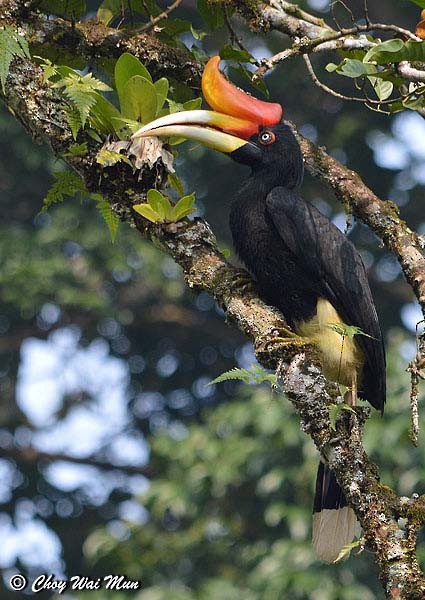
(224, 97)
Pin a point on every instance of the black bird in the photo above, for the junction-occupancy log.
(302, 263)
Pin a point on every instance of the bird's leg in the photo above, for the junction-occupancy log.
(350, 396)
(242, 281)
(286, 340)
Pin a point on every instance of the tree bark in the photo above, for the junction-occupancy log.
(390, 523)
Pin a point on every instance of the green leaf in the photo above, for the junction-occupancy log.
(258, 83)
(94, 135)
(63, 8)
(174, 27)
(192, 104)
(212, 13)
(108, 10)
(256, 375)
(355, 68)
(176, 183)
(345, 330)
(383, 89)
(74, 120)
(184, 207)
(149, 8)
(126, 67)
(420, 3)
(161, 87)
(67, 183)
(396, 50)
(77, 150)
(233, 374)
(331, 67)
(82, 90)
(12, 45)
(197, 33)
(147, 211)
(335, 410)
(103, 114)
(159, 203)
(111, 219)
(139, 99)
(228, 52)
(108, 158)
(345, 551)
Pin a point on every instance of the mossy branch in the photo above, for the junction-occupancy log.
(193, 247)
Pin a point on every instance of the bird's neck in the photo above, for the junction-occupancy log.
(248, 221)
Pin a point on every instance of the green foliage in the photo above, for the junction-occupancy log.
(159, 209)
(230, 514)
(378, 66)
(110, 218)
(77, 150)
(352, 68)
(108, 158)
(335, 411)
(256, 375)
(393, 51)
(345, 551)
(420, 3)
(82, 91)
(212, 13)
(258, 83)
(108, 10)
(74, 9)
(141, 100)
(228, 52)
(345, 330)
(12, 45)
(68, 184)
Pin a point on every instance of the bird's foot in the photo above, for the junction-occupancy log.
(242, 282)
(283, 343)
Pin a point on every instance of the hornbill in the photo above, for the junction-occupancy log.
(302, 263)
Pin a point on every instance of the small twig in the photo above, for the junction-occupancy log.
(294, 10)
(159, 18)
(366, 100)
(347, 8)
(234, 39)
(366, 12)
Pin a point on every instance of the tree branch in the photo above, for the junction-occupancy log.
(29, 454)
(193, 246)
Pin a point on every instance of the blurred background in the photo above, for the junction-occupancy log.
(115, 457)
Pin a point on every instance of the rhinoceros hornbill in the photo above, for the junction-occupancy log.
(302, 263)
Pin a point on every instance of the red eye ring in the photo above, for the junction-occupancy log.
(266, 137)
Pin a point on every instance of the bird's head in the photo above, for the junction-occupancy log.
(249, 130)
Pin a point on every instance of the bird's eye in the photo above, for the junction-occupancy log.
(266, 138)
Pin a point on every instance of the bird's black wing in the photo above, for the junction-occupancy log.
(337, 273)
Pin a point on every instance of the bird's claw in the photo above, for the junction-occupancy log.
(242, 282)
(286, 341)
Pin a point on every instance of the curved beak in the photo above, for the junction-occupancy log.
(235, 118)
(216, 130)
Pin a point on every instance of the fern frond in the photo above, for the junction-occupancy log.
(110, 218)
(74, 120)
(67, 184)
(255, 376)
(12, 45)
(233, 374)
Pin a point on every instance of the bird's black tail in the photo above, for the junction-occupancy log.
(334, 522)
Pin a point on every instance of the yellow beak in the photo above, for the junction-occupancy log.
(213, 129)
